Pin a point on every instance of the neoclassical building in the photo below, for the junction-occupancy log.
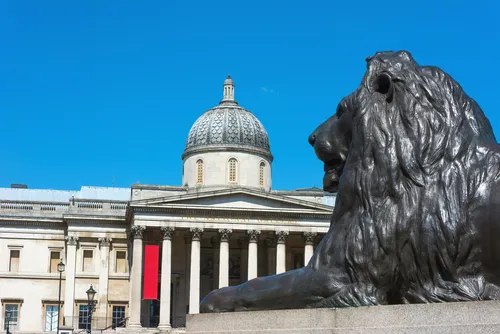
(153, 252)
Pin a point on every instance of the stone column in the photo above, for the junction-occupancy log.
(309, 246)
(224, 235)
(136, 233)
(69, 296)
(271, 256)
(281, 251)
(166, 274)
(253, 236)
(194, 282)
(102, 304)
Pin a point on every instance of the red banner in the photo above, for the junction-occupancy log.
(151, 262)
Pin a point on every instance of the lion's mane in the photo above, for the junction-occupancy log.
(406, 189)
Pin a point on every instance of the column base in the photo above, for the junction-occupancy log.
(134, 325)
(164, 328)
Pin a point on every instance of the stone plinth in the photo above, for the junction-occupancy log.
(456, 318)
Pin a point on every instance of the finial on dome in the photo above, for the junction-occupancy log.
(228, 89)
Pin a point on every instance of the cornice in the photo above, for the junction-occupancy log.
(227, 148)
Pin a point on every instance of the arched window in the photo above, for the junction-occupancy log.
(199, 171)
(232, 170)
(262, 168)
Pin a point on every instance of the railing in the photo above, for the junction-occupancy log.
(60, 207)
(99, 324)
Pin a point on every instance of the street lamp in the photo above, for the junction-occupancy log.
(7, 322)
(60, 269)
(90, 307)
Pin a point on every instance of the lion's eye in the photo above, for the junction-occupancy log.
(383, 83)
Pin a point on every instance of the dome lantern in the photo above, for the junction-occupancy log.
(228, 95)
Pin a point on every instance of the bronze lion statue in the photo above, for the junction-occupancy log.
(416, 168)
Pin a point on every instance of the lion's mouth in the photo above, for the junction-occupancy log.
(333, 171)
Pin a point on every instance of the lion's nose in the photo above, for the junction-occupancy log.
(312, 139)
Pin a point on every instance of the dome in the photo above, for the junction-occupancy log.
(228, 127)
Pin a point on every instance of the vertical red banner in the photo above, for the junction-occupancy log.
(151, 263)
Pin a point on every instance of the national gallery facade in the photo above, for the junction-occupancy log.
(151, 253)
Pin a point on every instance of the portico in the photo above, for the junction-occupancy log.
(208, 249)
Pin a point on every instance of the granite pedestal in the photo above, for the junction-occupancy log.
(445, 318)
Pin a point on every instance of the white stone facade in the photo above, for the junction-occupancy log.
(211, 234)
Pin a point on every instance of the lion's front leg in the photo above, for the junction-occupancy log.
(298, 288)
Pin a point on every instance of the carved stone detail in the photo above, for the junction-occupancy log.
(225, 234)
(253, 235)
(309, 237)
(137, 231)
(167, 232)
(105, 242)
(72, 241)
(196, 233)
(282, 236)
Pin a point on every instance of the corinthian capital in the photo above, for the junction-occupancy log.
(225, 234)
(137, 232)
(196, 233)
(104, 242)
(167, 232)
(71, 240)
(309, 237)
(282, 236)
(253, 235)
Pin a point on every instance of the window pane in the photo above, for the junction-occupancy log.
(14, 260)
(11, 313)
(83, 317)
(118, 316)
(121, 262)
(51, 315)
(199, 172)
(87, 260)
(54, 260)
(232, 170)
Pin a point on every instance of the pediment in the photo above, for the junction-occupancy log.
(235, 198)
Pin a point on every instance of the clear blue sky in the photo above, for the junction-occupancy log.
(92, 91)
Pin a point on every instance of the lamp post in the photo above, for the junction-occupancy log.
(90, 307)
(60, 269)
(7, 322)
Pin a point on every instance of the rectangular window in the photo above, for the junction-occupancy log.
(55, 257)
(83, 317)
(118, 316)
(14, 260)
(88, 265)
(11, 317)
(51, 315)
(121, 261)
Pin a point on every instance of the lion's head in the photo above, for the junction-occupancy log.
(403, 123)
